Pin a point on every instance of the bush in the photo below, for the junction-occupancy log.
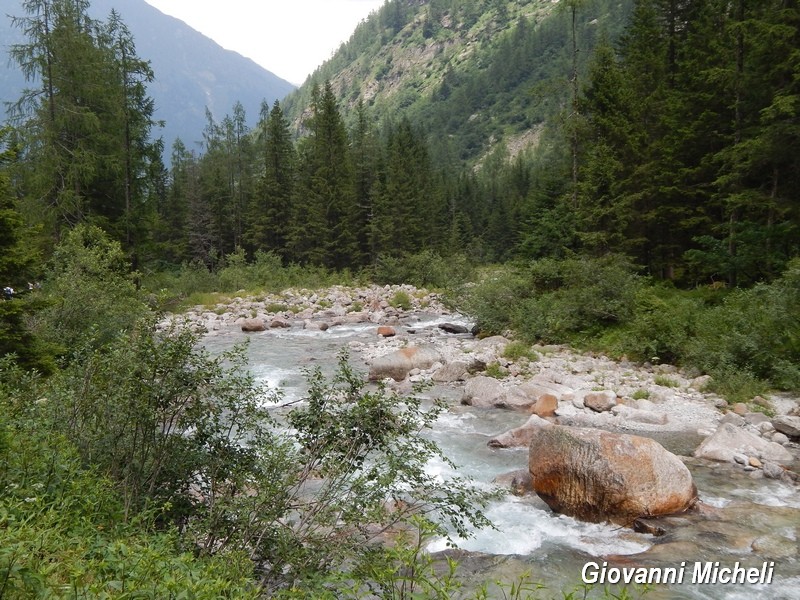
(424, 269)
(89, 292)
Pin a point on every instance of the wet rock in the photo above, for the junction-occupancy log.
(253, 325)
(386, 331)
(520, 436)
(518, 481)
(453, 328)
(279, 323)
(597, 475)
(648, 526)
(788, 425)
(729, 440)
(600, 401)
(398, 364)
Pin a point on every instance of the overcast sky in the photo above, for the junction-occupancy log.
(291, 38)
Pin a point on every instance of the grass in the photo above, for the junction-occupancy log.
(664, 381)
(495, 370)
(640, 394)
(516, 350)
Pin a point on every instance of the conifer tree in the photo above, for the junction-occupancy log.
(324, 213)
(271, 208)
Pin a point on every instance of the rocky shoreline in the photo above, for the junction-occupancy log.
(545, 384)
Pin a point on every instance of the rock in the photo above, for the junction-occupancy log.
(520, 436)
(729, 440)
(740, 459)
(253, 325)
(453, 371)
(733, 419)
(756, 418)
(639, 416)
(597, 475)
(482, 392)
(518, 481)
(453, 328)
(740, 408)
(788, 425)
(600, 401)
(476, 366)
(754, 462)
(398, 364)
(278, 323)
(765, 428)
(386, 331)
(648, 526)
(545, 406)
(772, 470)
(780, 438)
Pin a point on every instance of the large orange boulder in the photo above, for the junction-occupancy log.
(597, 475)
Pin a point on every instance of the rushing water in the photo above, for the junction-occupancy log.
(743, 519)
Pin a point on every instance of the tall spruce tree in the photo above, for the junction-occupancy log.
(271, 208)
(323, 228)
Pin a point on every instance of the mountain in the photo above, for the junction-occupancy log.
(472, 74)
(192, 72)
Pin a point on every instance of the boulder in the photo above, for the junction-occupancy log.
(520, 436)
(728, 441)
(398, 364)
(253, 325)
(637, 415)
(279, 323)
(787, 425)
(597, 475)
(386, 331)
(482, 392)
(600, 401)
(487, 392)
(452, 371)
(545, 406)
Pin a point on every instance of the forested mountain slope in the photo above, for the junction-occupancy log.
(470, 73)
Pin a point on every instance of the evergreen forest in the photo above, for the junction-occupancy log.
(653, 213)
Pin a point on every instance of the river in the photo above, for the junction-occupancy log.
(745, 520)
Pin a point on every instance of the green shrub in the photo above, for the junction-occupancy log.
(640, 395)
(401, 300)
(517, 349)
(424, 269)
(88, 292)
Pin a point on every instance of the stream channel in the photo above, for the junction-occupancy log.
(744, 520)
